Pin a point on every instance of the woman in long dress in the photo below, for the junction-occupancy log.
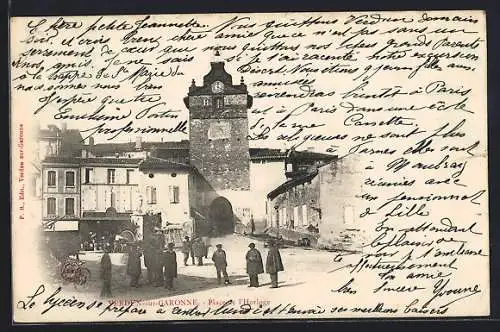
(106, 268)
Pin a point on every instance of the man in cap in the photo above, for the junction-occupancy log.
(273, 263)
(220, 261)
(254, 265)
(170, 266)
(187, 250)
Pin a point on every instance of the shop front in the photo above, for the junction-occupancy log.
(98, 229)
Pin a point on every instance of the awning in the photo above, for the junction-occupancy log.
(109, 215)
(105, 219)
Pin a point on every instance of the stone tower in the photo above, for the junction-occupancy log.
(218, 129)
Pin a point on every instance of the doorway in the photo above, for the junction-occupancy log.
(221, 216)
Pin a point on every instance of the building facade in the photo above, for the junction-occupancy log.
(316, 203)
(109, 195)
(61, 193)
(212, 184)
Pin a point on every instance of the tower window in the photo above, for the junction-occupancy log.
(219, 102)
(111, 175)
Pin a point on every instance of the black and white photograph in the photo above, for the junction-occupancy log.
(249, 166)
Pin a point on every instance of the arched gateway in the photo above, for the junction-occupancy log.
(221, 216)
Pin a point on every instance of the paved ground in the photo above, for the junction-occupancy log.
(305, 271)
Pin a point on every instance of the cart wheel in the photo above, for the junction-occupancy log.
(84, 277)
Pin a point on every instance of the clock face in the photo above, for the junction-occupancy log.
(217, 87)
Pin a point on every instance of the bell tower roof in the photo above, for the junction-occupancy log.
(217, 73)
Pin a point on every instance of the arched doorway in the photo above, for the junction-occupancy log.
(221, 216)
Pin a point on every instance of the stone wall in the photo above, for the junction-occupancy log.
(224, 162)
(322, 207)
(339, 183)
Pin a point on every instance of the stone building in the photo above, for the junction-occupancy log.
(109, 195)
(219, 148)
(213, 183)
(316, 203)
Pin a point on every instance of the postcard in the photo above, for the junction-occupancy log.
(249, 166)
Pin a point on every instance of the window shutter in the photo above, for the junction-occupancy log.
(176, 194)
(348, 215)
(153, 195)
(171, 194)
(148, 194)
(305, 222)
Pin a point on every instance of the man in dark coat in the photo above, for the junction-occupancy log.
(205, 241)
(273, 263)
(106, 268)
(220, 261)
(170, 266)
(159, 243)
(254, 265)
(134, 265)
(187, 250)
(158, 274)
(199, 250)
(149, 261)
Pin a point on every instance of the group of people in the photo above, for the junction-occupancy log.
(196, 249)
(161, 272)
(254, 267)
(254, 264)
(161, 263)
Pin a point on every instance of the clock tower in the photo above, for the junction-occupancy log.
(218, 129)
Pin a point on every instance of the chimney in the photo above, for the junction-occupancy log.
(310, 148)
(138, 143)
(64, 127)
(91, 142)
